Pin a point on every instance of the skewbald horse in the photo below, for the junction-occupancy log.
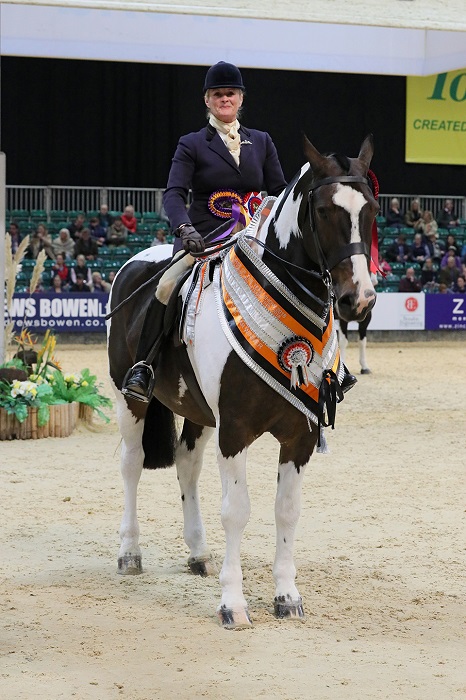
(313, 247)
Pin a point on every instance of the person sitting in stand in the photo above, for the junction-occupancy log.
(117, 233)
(77, 226)
(223, 156)
(418, 251)
(39, 241)
(399, 250)
(61, 269)
(395, 218)
(98, 232)
(15, 236)
(63, 244)
(451, 253)
(87, 246)
(160, 237)
(80, 285)
(452, 243)
(460, 286)
(413, 216)
(427, 223)
(409, 283)
(105, 219)
(435, 247)
(98, 284)
(129, 220)
(81, 268)
(57, 285)
(450, 273)
(429, 275)
(447, 218)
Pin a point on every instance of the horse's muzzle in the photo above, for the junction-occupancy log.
(350, 307)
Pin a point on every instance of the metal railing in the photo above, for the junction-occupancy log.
(85, 199)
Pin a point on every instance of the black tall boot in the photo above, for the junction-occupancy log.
(348, 381)
(139, 381)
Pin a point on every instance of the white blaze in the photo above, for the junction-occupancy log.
(353, 201)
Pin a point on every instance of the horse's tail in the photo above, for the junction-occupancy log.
(159, 439)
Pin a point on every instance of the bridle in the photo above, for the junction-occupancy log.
(307, 224)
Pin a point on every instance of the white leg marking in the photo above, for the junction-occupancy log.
(235, 515)
(362, 353)
(132, 459)
(287, 511)
(188, 467)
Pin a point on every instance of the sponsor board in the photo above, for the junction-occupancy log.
(60, 313)
(446, 312)
(397, 312)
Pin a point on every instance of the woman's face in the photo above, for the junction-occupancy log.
(224, 103)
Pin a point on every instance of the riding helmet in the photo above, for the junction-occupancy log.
(223, 75)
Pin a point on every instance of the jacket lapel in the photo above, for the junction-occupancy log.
(217, 145)
(247, 148)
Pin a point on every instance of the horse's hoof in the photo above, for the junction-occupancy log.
(366, 370)
(285, 607)
(234, 619)
(130, 565)
(202, 567)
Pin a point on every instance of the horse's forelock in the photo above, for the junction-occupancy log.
(342, 160)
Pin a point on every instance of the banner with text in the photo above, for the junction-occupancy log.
(69, 313)
(436, 118)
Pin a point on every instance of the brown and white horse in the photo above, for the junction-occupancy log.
(313, 248)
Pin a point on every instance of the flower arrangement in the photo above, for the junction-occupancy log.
(34, 379)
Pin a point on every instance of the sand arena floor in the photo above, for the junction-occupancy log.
(380, 554)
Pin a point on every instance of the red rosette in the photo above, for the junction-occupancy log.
(252, 201)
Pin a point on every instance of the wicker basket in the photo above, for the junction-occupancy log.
(62, 422)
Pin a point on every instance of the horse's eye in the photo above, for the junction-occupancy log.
(321, 211)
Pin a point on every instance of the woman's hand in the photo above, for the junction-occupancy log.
(191, 240)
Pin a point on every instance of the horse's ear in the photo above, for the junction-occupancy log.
(315, 158)
(367, 151)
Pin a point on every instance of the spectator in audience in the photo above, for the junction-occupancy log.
(460, 286)
(85, 245)
(427, 223)
(39, 241)
(81, 268)
(80, 285)
(64, 244)
(105, 219)
(419, 251)
(111, 277)
(384, 265)
(98, 284)
(450, 273)
(98, 232)
(414, 214)
(129, 220)
(117, 232)
(57, 285)
(429, 274)
(451, 243)
(447, 218)
(77, 227)
(395, 217)
(410, 283)
(399, 250)
(451, 253)
(444, 289)
(61, 269)
(435, 247)
(160, 237)
(15, 236)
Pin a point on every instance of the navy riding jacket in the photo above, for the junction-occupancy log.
(203, 163)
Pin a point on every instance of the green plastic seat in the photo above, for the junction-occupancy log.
(38, 215)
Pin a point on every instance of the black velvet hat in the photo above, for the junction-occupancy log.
(223, 75)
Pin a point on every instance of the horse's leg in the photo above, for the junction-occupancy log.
(132, 458)
(362, 344)
(233, 608)
(288, 602)
(189, 455)
(343, 339)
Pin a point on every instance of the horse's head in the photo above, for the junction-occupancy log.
(336, 215)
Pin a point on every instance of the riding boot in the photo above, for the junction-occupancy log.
(348, 381)
(139, 381)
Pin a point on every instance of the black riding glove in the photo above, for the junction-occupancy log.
(191, 240)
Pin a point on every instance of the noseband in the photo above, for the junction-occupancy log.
(309, 226)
